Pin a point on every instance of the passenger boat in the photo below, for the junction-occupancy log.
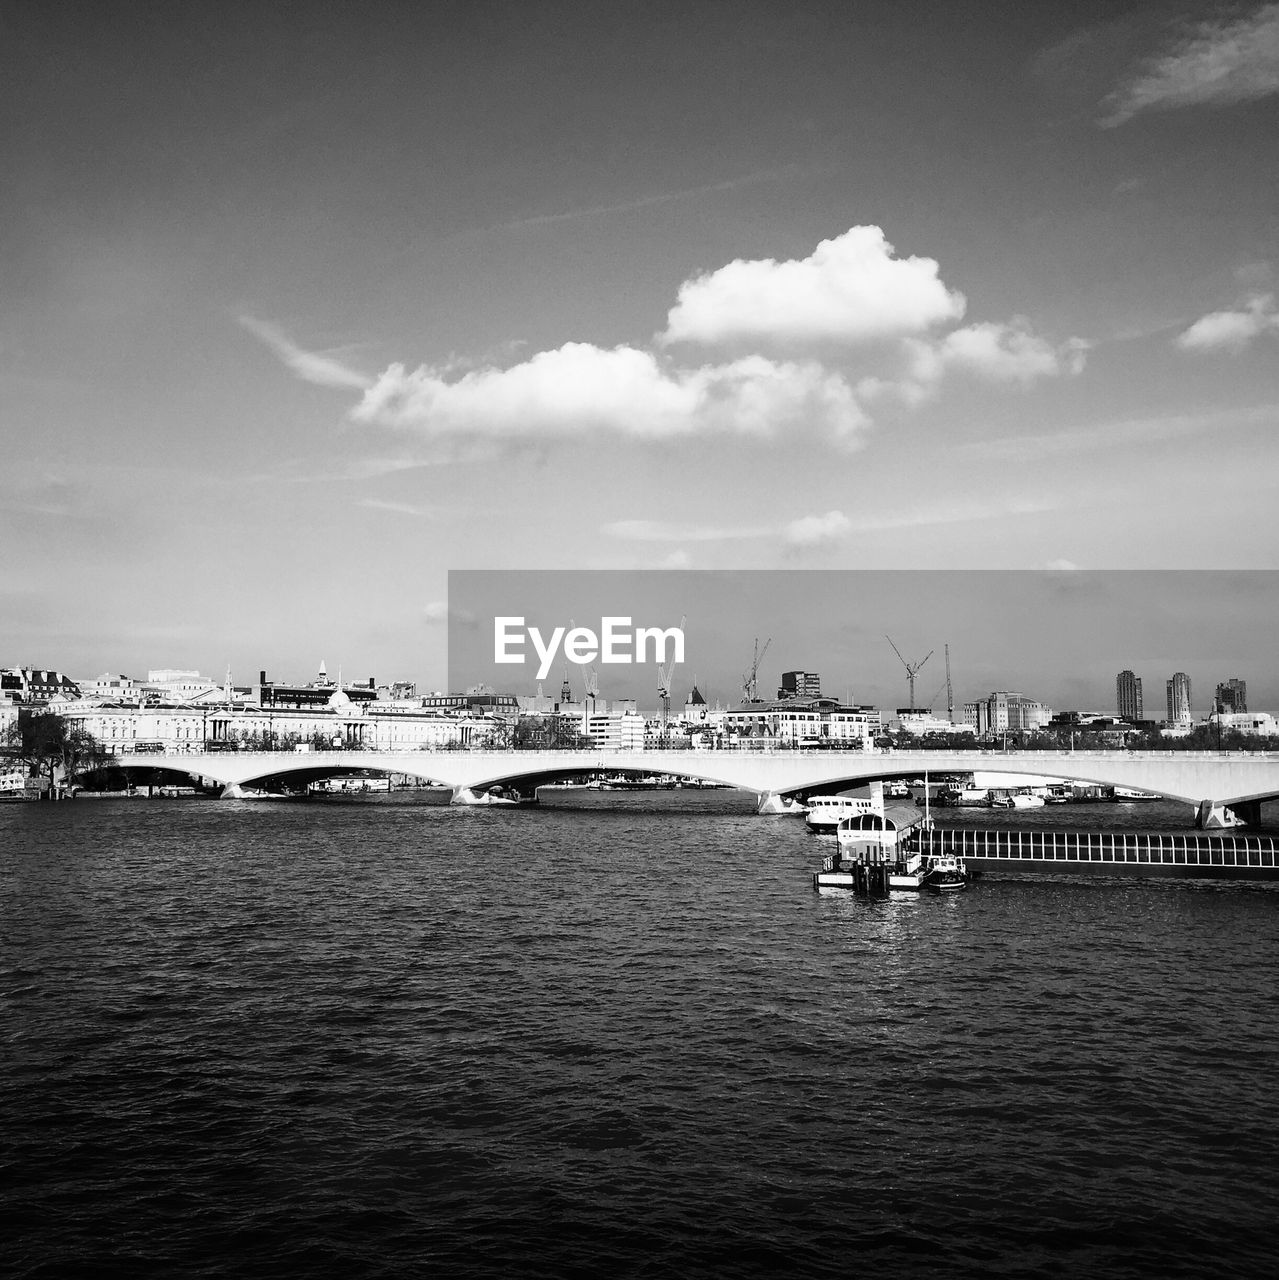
(944, 873)
(824, 813)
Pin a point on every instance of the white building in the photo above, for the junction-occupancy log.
(624, 732)
(341, 724)
(798, 722)
(1259, 724)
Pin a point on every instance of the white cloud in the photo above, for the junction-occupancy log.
(310, 366)
(993, 351)
(667, 531)
(1061, 564)
(803, 533)
(580, 389)
(1232, 330)
(809, 532)
(398, 508)
(848, 290)
(1009, 352)
(436, 613)
(1215, 64)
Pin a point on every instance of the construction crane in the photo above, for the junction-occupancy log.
(912, 669)
(950, 693)
(750, 678)
(664, 674)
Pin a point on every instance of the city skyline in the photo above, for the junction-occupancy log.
(300, 316)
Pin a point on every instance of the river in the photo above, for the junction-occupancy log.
(616, 1035)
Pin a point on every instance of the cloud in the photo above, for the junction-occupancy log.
(399, 508)
(810, 532)
(580, 389)
(667, 531)
(1010, 353)
(1232, 330)
(310, 366)
(1214, 64)
(848, 290)
(992, 351)
(645, 202)
(802, 534)
(1062, 565)
(436, 613)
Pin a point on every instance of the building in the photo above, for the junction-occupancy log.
(1128, 696)
(35, 686)
(919, 722)
(624, 732)
(1232, 697)
(1259, 724)
(800, 684)
(1005, 712)
(340, 723)
(796, 722)
(1179, 699)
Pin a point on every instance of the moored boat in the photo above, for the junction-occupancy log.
(871, 855)
(944, 873)
(824, 813)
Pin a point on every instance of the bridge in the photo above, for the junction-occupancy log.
(1218, 784)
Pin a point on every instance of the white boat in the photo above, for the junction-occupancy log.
(1027, 800)
(825, 812)
(1128, 793)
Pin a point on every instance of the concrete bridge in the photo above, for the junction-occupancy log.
(1214, 782)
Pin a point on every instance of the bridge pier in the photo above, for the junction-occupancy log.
(1212, 814)
(774, 803)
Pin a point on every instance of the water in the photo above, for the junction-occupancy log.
(618, 1035)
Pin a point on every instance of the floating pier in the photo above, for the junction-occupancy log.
(995, 851)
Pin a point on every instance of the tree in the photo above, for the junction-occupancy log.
(47, 742)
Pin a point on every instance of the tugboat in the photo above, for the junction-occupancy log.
(945, 873)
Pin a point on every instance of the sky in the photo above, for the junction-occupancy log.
(303, 306)
(1059, 636)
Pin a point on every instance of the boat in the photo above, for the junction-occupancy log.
(944, 873)
(963, 797)
(1027, 800)
(1125, 794)
(825, 812)
(871, 854)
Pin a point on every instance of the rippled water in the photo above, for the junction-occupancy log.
(617, 1035)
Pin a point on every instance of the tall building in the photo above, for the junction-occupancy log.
(1128, 696)
(1232, 697)
(800, 684)
(1179, 699)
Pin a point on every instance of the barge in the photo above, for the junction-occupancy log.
(1189, 854)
